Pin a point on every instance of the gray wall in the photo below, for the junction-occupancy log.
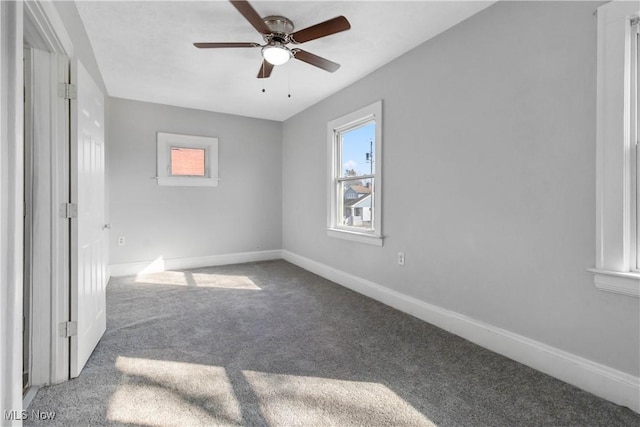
(242, 214)
(489, 179)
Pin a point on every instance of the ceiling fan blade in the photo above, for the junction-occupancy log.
(315, 60)
(265, 70)
(251, 15)
(224, 44)
(322, 29)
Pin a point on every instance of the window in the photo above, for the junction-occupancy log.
(185, 160)
(617, 257)
(354, 207)
(188, 161)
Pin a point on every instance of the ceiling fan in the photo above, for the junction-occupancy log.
(277, 33)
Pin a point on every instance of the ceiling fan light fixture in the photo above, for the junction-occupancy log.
(276, 53)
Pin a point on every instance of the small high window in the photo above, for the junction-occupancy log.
(185, 160)
(188, 161)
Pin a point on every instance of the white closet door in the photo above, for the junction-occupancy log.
(88, 232)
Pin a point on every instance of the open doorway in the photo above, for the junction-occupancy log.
(46, 233)
(46, 237)
(65, 232)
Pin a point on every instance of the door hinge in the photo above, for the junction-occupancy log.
(68, 210)
(67, 91)
(68, 329)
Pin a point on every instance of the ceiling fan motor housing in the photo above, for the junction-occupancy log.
(280, 28)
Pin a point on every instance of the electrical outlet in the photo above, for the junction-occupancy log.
(400, 258)
(121, 240)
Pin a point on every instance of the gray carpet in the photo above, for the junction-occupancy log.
(269, 344)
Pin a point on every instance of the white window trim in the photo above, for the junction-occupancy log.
(615, 196)
(166, 141)
(375, 237)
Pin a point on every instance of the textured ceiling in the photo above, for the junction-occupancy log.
(145, 49)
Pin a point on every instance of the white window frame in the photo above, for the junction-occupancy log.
(167, 141)
(357, 118)
(634, 122)
(616, 268)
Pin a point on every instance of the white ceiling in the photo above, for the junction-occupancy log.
(145, 51)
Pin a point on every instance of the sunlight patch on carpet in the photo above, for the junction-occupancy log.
(203, 280)
(322, 401)
(164, 393)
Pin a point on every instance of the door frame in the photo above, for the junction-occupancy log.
(44, 30)
(11, 205)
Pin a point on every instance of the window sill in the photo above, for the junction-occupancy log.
(368, 239)
(187, 182)
(617, 282)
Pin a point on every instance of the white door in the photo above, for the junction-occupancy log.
(88, 233)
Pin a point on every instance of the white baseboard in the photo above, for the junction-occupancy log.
(603, 381)
(160, 264)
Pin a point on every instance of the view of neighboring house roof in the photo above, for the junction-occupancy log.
(361, 189)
